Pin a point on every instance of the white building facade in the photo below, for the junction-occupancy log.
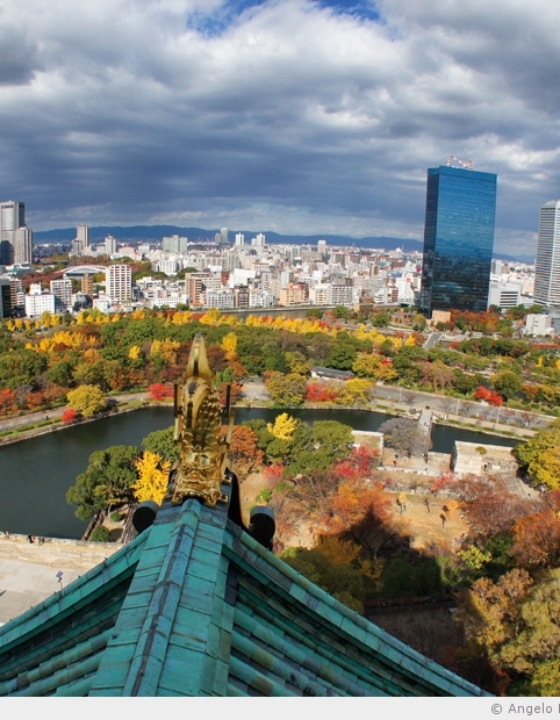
(547, 264)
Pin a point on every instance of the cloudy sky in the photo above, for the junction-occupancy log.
(300, 116)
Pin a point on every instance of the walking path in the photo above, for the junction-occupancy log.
(30, 573)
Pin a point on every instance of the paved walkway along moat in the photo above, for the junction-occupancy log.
(29, 572)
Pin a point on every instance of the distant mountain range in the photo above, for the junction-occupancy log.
(155, 233)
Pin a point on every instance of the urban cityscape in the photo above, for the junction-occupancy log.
(457, 269)
(280, 375)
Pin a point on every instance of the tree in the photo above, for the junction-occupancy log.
(283, 427)
(507, 384)
(68, 416)
(537, 539)
(540, 456)
(153, 477)
(515, 622)
(87, 400)
(298, 363)
(321, 392)
(244, 449)
(162, 443)
(355, 392)
(106, 481)
(490, 508)
(287, 390)
(405, 435)
(160, 391)
(335, 565)
(343, 355)
(315, 449)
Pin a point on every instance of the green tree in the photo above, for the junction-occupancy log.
(343, 355)
(87, 400)
(162, 443)
(341, 312)
(106, 481)
(316, 448)
(507, 384)
(20, 368)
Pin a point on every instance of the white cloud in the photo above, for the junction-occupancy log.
(288, 116)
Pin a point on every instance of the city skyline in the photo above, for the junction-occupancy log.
(295, 116)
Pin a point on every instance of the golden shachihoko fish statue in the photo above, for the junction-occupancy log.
(198, 430)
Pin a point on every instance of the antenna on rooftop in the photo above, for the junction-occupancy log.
(453, 161)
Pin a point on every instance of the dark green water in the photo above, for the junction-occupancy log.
(35, 474)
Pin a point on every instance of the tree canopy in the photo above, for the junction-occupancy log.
(106, 481)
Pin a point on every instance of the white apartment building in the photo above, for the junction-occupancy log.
(37, 304)
(168, 265)
(118, 283)
(319, 294)
(220, 299)
(261, 298)
(62, 291)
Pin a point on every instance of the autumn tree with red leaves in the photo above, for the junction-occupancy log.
(68, 416)
(321, 392)
(490, 396)
(160, 391)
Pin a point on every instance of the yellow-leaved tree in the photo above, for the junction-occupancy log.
(283, 427)
(229, 345)
(153, 476)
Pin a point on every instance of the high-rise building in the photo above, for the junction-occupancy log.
(110, 246)
(15, 246)
(547, 264)
(458, 239)
(23, 246)
(175, 244)
(62, 291)
(82, 234)
(118, 280)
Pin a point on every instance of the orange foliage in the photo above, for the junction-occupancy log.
(320, 392)
(537, 539)
(159, 391)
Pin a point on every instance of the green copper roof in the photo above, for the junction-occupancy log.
(196, 607)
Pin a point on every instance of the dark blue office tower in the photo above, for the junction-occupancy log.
(458, 239)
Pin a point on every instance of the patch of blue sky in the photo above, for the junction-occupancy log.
(228, 13)
(361, 9)
(215, 23)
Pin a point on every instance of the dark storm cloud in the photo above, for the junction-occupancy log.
(18, 56)
(293, 115)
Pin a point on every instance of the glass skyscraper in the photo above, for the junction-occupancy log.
(458, 239)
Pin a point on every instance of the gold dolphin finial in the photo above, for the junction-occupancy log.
(198, 430)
